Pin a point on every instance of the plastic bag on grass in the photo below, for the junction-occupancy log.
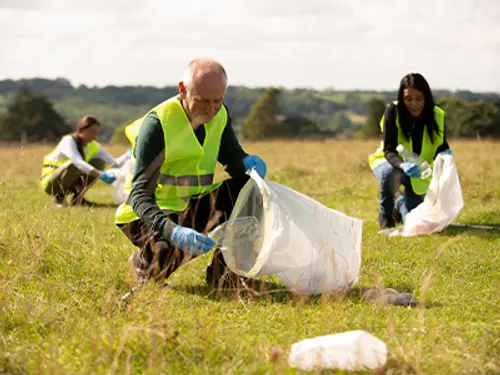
(441, 205)
(275, 230)
(350, 351)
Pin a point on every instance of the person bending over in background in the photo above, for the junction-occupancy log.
(173, 200)
(76, 162)
(416, 122)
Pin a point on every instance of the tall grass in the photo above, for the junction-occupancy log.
(63, 271)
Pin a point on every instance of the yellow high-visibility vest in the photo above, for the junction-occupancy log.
(428, 150)
(50, 164)
(188, 169)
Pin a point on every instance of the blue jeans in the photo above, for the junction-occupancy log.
(390, 180)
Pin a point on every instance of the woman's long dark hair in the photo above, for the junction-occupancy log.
(418, 82)
(84, 123)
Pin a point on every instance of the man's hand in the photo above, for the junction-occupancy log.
(191, 241)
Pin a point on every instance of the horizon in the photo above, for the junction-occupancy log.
(331, 89)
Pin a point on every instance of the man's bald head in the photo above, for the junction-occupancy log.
(202, 90)
(204, 71)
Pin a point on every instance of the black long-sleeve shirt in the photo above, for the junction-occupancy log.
(390, 136)
(149, 152)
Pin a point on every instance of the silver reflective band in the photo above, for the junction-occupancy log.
(50, 166)
(191, 180)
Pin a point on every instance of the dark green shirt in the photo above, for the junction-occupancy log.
(148, 147)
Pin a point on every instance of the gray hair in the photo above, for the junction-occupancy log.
(196, 66)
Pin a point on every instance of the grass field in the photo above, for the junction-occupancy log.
(63, 271)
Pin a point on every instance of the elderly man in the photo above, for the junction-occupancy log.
(173, 200)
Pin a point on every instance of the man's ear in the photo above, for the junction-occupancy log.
(182, 89)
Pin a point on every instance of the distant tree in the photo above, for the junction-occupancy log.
(341, 124)
(299, 126)
(376, 108)
(262, 121)
(115, 105)
(355, 103)
(31, 118)
(482, 117)
(470, 118)
(494, 129)
(455, 111)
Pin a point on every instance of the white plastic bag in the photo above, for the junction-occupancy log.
(351, 351)
(441, 204)
(119, 194)
(275, 230)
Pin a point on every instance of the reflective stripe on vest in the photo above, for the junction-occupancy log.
(188, 168)
(206, 179)
(428, 148)
(50, 165)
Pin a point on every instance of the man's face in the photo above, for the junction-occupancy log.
(204, 99)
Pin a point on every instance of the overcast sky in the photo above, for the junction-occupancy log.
(356, 44)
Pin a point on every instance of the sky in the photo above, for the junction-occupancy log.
(322, 44)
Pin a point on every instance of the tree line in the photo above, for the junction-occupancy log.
(463, 118)
(37, 110)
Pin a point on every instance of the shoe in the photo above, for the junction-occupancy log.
(385, 222)
(59, 202)
(398, 219)
(138, 267)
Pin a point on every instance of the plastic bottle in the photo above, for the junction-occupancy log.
(411, 157)
(351, 351)
(238, 231)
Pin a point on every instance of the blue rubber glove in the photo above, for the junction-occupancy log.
(411, 170)
(446, 152)
(108, 178)
(254, 162)
(191, 241)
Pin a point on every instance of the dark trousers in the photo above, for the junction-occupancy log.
(156, 258)
(69, 179)
(390, 180)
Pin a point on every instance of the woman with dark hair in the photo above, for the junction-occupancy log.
(76, 162)
(416, 122)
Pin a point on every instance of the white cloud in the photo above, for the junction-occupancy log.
(73, 5)
(318, 43)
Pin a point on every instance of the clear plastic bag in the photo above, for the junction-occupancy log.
(275, 230)
(119, 193)
(441, 205)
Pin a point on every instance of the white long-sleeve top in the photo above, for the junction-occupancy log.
(67, 148)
